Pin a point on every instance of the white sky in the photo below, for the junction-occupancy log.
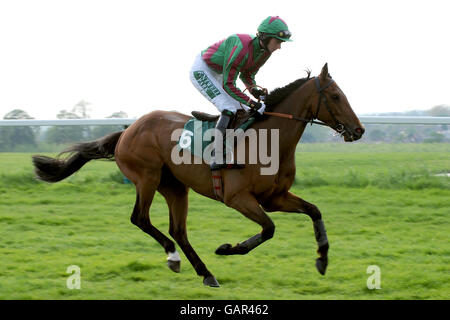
(135, 56)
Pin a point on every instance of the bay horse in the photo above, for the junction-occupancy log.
(143, 154)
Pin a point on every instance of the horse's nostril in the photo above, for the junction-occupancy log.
(360, 131)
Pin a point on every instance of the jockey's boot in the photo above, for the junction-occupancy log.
(222, 124)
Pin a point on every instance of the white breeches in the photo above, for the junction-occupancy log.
(210, 85)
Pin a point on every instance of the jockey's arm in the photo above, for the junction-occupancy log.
(230, 74)
(248, 77)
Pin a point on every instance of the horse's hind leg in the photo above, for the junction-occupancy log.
(141, 218)
(176, 195)
(246, 204)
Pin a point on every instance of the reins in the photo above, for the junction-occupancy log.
(290, 116)
(338, 126)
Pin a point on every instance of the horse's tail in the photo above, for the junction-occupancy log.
(55, 169)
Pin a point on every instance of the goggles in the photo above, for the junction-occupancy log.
(282, 34)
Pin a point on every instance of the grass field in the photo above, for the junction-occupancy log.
(382, 205)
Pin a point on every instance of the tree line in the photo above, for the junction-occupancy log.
(42, 138)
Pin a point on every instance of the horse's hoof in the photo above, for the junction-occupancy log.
(211, 281)
(321, 265)
(224, 249)
(174, 265)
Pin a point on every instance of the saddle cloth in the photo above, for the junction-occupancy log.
(192, 139)
(195, 128)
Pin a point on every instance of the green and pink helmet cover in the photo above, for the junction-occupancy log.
(274, 26)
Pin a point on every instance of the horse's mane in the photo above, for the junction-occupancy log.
(279, 94)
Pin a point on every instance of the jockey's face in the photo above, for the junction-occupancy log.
(274, 44)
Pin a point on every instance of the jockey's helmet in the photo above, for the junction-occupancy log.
(274, 27)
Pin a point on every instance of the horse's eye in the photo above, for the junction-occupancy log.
(335, 97)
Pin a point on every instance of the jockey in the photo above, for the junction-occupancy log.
(216, 69)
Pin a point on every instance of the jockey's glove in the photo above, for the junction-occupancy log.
(258, 93)
(260, 107)
(258, 111)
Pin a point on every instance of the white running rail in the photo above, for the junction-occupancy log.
(128, 121)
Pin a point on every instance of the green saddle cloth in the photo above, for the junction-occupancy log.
(194, 139)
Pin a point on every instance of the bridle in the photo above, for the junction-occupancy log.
(337, 126)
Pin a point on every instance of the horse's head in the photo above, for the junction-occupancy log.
(330, 105)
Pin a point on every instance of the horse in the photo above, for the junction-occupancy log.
(143, 154)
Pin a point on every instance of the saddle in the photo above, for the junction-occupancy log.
(239, 119)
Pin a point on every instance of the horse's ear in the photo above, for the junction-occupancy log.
(324, 73)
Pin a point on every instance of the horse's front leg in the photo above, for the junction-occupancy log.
(288, 202)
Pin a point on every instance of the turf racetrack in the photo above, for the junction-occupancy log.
(382, 206)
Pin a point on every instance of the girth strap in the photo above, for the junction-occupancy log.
(217, 184)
